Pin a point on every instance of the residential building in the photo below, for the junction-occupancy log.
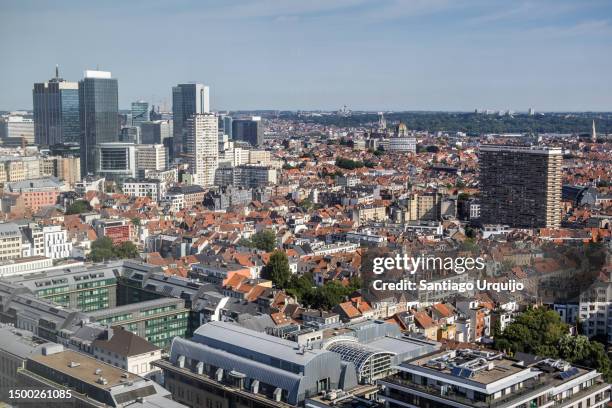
(99, 115)
(118, 230)
(10, 241)
(520, 186)
(201, 147)
(153, 188)
(245, 176)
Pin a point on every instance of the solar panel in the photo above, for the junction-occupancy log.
(456, 371)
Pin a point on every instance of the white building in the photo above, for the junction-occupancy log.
(202, 148)
(17, 126)
(125, 350)
(155, 189)
(595, 310)
(151, 157)
(116, 161)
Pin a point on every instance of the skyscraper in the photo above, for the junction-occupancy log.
(187, 100)
(140, 112)
(98, 111)
(248, 130)
(227, 126)
(56, 111)
(520, 186)
(202, 147)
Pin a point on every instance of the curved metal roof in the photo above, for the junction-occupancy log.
(358, 354)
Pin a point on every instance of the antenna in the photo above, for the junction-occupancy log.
(56, 71)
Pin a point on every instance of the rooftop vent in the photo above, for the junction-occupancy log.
(102, 380)
(73, 364)
(98, 371)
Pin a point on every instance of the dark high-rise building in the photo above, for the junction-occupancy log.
(227, 126)
(56, 111)
(187, 100)
(140, 112)
(98, 110)
(520, 186)
(248, 130)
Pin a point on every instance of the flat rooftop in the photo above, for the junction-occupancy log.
(84, 368)
(483, 367)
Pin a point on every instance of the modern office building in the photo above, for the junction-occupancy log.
(227, 365)
(83, 288)
(227, 126)
(115, 161)
(140, 113)
(484, 379)
(155, 132)
(99, 115)
(187, 100)
(158, 321)
(201, 148)
(520, 186)
(248, 130)
(16, 129)
(56, 111)
(151, 157)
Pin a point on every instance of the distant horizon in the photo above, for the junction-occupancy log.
(400, 55)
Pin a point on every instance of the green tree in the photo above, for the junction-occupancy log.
(264, 240)
(101, 249)
(277, 269)
(78, 207)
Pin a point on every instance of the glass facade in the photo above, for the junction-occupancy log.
(140, 113)
(56, 112)
(99, 117)
(187, 100)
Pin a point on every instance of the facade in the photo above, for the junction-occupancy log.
(402, 141)
(56, 111)
(140, 113)
(155, 132)
(227, 365)
(50, 241)
(474, 378)
(118, 230)
(10, 241)
(187, 100)
(227, 126)
(123, 349)
(248, 130)
(84, 289)
(115, 161)
(158, 321)
(245, 176)
(595, 310)
(99, 115)
(18, 128)
(520, 186)
(201, 146)
(151, 157)
(153, 188)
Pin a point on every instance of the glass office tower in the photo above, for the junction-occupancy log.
(56, 111)
(140, 112)
(99, 115)
(187, 100)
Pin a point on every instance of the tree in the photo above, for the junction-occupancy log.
(277, 269)
(264, 240)
(102, 249)
(78, 207)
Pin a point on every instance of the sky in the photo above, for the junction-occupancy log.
(552, 55)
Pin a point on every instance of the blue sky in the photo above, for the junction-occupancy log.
(320, 54)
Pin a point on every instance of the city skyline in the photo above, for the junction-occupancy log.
(388, 55)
